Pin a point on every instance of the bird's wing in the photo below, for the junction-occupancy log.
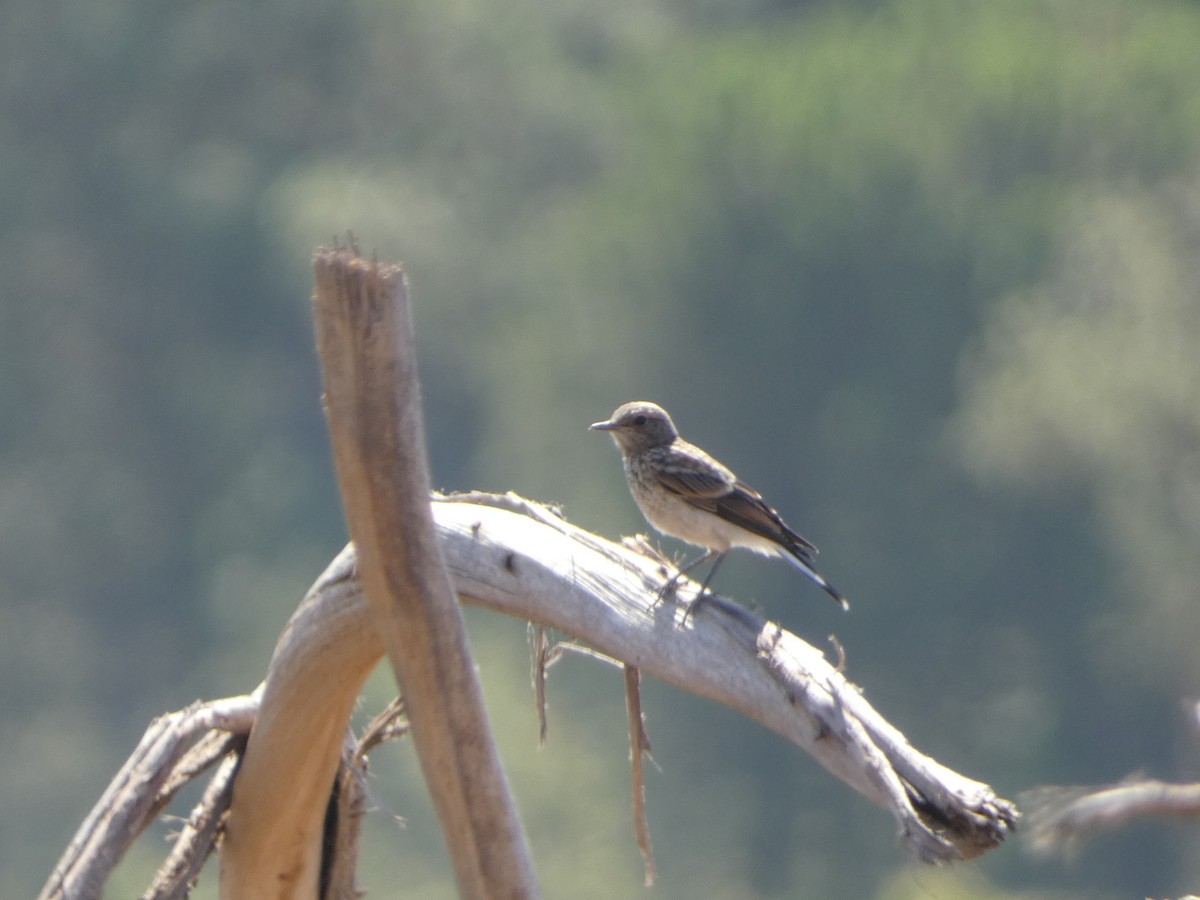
(745, 507)
(692, 473)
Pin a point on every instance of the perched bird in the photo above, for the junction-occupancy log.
(685, 493)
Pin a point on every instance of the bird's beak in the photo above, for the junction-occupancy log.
(603, 426)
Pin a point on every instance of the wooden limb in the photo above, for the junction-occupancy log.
(540, 651)
(639, 746)
(372, 402)
(206, 751)
(521, 558)
(348, 806)
(1062, 817)
(182, 746)
(343, 828)
(344, 816)
(196, 841)
(388, 725)
(138, 793)
(273, 837)
(515, 556)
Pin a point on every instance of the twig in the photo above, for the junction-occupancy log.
(389, 724)
(136, 795)
(343, 827)
(838, 649)
(639, 744)
(348, 804)
(1061, 817)
(539, 647)
(198, 838)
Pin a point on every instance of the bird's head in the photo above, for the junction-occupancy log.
(639, 425)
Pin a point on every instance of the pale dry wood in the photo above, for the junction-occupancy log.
(539, 650)
(349, 803)
(639, 746)
(196, 840)
(536, 565)
(521, 558)
(272, 845)
(1062, 817)
(140, 791)
(181, 746)
(343, 826)
(373, 406)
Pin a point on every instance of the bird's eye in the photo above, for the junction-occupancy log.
(639, 420)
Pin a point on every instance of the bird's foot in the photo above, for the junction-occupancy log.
(668, 590)
(695, 604)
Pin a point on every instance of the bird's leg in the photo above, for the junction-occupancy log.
(699, 598)
(711, 572)
(668, 589)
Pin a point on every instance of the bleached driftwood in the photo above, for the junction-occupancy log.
(517, 557)
(520, 558)
(175, 748)
(1060, 818)
(363, 324)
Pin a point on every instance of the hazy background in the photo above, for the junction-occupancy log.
(926, 273)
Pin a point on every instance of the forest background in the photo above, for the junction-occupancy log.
(927, 273)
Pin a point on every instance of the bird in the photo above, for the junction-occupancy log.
(687, 494)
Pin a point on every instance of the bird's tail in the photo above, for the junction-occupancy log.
(802, 565)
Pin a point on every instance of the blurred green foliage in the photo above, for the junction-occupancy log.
(924, 272)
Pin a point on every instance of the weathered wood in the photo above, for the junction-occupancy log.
(542, 568)
(273, 837)
(639, 747)
(520, 558)
(1062, 817)
(141, 789)
(372, 403)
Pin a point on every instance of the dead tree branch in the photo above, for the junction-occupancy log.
(372, 402)
(639, 746)
(1062, 817)
(520, 558)
(175, 748)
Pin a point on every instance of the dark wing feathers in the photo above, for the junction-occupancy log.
(745, 507)
(691, 473)
(694, 485)
(705, 483)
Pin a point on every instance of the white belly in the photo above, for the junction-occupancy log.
(674, 516)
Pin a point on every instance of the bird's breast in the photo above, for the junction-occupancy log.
(673, 515)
